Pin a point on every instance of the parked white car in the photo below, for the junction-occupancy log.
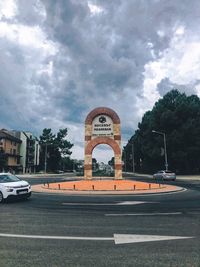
(13, 187)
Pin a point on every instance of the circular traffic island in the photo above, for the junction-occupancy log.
(105, 186)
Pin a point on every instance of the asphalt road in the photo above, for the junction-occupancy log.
(91, 222)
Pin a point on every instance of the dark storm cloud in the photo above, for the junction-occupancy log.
(63, 58)
(30, 12)
(165, 85)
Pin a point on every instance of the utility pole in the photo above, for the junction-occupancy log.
(125, 160)
(45, 159)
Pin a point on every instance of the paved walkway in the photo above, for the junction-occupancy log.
(47, 175)
(182, 177)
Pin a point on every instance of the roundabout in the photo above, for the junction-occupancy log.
(106, 186)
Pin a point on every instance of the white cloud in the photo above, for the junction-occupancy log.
(94, 9)
(8, 9)
(32, 37)
(180, 63)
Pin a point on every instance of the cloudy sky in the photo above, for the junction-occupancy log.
(59, 59)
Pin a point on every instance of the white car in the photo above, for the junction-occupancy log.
(165, 175)
(13, 187)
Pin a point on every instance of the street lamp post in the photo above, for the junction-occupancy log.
(45, 161)
(165, 147)
(133, 157)
(45, 156)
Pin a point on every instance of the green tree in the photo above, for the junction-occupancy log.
(95, 164)
(178, 116)
(55, 147)
(112, 162)
(68, 164)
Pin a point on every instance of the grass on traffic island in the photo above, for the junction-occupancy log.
(103, 185)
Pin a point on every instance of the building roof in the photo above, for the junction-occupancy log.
(5, 134)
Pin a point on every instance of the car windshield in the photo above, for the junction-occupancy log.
(7, 178)
(168, 171)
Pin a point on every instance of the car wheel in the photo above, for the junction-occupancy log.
(1, 198)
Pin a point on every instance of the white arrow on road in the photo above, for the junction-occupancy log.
(117, 238)
(125, 239)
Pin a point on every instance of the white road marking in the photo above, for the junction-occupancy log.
(56, 237)
(107, 204)
(125, 239)
(88, 204)
(144, 214)
(133, 202)
(117, 238)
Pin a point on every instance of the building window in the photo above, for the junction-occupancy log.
(11, 151)
(14, 151)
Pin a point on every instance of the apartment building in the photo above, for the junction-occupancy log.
(9, 152)
(19, 151)
(29, 151)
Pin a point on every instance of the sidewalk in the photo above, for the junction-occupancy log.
(47, 175)
(181, 177)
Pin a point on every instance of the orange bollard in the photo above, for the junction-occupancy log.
(149, 186)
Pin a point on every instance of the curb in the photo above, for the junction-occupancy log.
(105, 192)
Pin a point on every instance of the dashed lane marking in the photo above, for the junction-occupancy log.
(107, 204)
(144, 214)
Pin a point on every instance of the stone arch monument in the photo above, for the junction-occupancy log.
(102, 126)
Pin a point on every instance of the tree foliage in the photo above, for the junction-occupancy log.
(56, 147)
(178, 116)
(112, 162)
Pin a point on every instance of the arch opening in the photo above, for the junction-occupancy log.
(103, 161)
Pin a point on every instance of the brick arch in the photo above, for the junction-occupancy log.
(91, 141)
(102, 140)
(104, 111)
